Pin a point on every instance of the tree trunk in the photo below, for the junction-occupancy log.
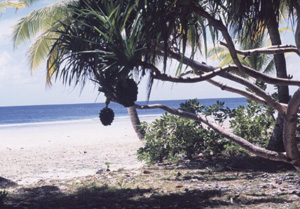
(276, 141)
(135, 121)
(290, 127)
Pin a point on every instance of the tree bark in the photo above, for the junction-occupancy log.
(135, 121)
(276, 141)
(290, 127)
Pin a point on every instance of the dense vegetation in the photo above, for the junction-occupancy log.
(174, 138)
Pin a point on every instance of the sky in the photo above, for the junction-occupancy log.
(20, 86)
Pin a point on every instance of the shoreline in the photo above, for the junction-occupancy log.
(146, 118)
(43, 152)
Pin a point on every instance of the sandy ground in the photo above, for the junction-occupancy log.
(61, 150)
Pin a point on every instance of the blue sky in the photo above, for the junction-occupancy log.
(18, 86)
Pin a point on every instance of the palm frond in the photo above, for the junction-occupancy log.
(39, 50)
(38, 22)
(11, 4)
(270, 67)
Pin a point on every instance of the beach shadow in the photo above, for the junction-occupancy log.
(110, 198)
(245, 164)
(47, 197)
(6, 183)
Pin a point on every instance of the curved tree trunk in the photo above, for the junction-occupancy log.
(135, 121)
(276, 141)
(290, 127)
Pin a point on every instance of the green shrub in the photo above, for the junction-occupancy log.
(173, 138)
(254, 123)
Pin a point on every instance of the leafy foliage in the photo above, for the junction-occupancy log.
(173, 138)
(254, 123)
(100, 43)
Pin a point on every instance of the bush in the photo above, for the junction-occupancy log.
(173, 138)
(254, 123)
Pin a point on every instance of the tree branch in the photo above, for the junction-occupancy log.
(265, 78)
(277, 156)
(200, 67)
(242, 92)
(218, 24)
(279, 49)
(202, 77)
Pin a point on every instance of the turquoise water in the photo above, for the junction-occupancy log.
(51, 113)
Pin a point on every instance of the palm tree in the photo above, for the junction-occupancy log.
(41, 23)
(52, 22)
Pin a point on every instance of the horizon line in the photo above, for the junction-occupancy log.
(26, 105)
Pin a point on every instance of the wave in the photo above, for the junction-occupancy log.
(11, 125)
(44, 123)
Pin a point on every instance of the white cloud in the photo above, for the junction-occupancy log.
(6, 30)
(5, 60)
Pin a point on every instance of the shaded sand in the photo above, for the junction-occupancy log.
(60, 150)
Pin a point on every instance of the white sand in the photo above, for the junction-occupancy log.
(60, 150)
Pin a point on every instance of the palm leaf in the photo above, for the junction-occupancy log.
(39, 50)
(38, 21)
(11, 4)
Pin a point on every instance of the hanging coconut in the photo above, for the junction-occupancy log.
(126, 92)
(106, 116)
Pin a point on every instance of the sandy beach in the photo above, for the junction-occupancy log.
(62, 150)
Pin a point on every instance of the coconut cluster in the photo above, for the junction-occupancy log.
(126, 92)
(106, 116)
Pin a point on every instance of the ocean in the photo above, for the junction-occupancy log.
(18, 115)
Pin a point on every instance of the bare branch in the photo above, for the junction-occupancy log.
(269, 79)
(264, 99)
(271, 102)
(242, 92)
(187, 73)
(164, 77)
(265, 78)
(279, 49)
(218, 24)
(200, 67)
(277, 156)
